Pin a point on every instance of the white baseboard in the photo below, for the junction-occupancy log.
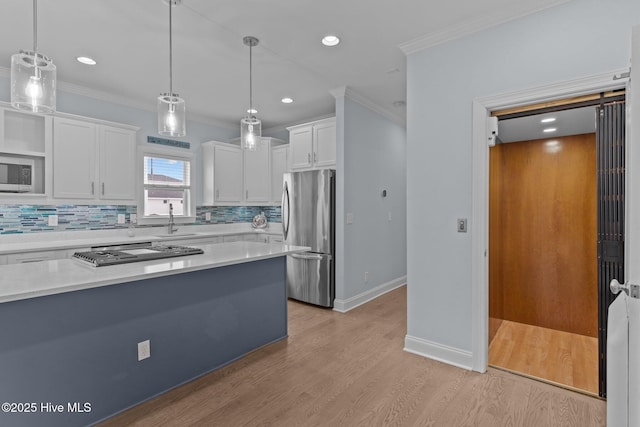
(343, 306)
(442, 353)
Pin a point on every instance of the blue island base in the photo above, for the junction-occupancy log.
(72, 359)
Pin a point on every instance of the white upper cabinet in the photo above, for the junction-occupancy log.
(222, 173)
(324, 139)
(301, 147)
(232, 176)
(313, 145)
(279, 165)
(256, 173)
(74, 159)
(117, 163)
(93, 161)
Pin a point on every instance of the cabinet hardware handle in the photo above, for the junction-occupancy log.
(246, 194)
(309, 158)
(93, 187)
(217, 194)
(315, 157)
(103, 188)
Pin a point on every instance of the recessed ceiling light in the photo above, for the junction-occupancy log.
(86, 60)
(548, 130)
(548, 120)
(252, 111)
(330, 40)
(287, 100)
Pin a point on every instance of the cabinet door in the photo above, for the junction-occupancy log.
(300, 145)
(324, 138)
(74, 159)
(279, 157)
(117, 163)
(256, 174)
(24, 257)
(227, 170)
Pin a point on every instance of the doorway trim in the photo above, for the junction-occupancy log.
(482, 108)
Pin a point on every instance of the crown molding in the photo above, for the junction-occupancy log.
(99, 95)
(471, 26)
(346, 92)
(577, 87)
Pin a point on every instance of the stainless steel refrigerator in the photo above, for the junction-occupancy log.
(308, 219)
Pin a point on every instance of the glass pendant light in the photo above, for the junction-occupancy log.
(33, 77)
(250, 125)
(171, 108)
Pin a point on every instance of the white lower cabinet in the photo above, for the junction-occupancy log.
(254, 237)
(276, 239)
(24, 257)
(232, 238)
(195, 241)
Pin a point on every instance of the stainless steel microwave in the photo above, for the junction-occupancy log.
(16, 175)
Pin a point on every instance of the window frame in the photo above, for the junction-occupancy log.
(190, 200)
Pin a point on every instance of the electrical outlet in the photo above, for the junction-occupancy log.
(389, 216)
(349, 218)
(120, 218)
(133, 218)
(366, 276)
(144, 350)
(207, 216)
(52, 220)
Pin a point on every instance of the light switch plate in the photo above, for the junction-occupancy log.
(462, 225)
(349, 218)
(52, 220)
(144, 350)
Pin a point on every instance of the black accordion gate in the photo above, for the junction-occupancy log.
(610, 160)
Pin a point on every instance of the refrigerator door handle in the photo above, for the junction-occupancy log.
(306, 256)
(285, 198)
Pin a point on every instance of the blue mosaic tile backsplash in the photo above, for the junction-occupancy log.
(17, 219)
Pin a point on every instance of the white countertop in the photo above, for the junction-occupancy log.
(24, 281)
(45, 241)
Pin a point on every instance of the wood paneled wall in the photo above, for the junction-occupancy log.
(543, 234)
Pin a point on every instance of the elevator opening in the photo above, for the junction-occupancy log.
(555, 218)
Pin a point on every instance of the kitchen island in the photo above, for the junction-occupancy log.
(70, 332)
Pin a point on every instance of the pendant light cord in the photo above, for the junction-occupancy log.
(35, 27)
(250, 81)
(170, 52)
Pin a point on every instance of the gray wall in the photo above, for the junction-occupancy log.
(146, 120)
(370, 158)
(579, 38)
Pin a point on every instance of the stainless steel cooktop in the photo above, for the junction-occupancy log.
(122, 254)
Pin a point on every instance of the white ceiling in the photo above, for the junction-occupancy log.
(129, 39)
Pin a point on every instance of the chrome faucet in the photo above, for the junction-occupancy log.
(170, 228)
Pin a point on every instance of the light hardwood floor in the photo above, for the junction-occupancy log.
(560, 357)
(350, 370)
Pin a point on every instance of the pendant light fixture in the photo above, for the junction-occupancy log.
(33, 77)
(171, 108)
(250, 125)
